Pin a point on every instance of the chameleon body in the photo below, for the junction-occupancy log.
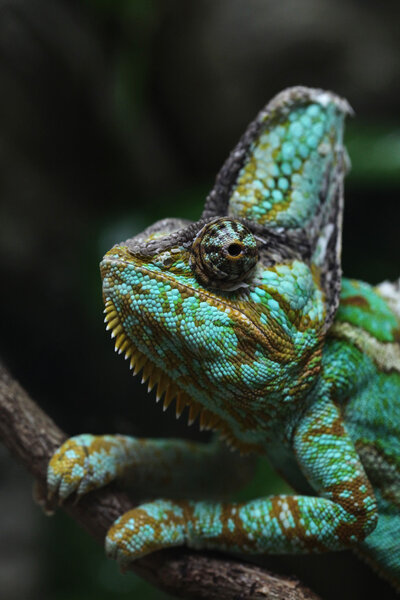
(244, 318)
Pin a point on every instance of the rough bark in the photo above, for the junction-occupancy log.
(32, 437)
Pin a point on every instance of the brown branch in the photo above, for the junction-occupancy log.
(32, 437)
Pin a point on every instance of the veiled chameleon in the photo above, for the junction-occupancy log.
(243, 317)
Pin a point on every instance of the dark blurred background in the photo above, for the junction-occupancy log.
(112, 115)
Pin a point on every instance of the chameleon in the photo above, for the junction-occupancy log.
(243, 318)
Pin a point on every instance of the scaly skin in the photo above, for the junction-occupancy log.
(237, 316)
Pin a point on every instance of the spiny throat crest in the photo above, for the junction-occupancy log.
(139, 362)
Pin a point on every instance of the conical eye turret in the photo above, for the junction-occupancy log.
(223, 254)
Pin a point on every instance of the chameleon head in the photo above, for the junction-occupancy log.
(216, 318)
(229, 313)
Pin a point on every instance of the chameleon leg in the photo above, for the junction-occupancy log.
(344, 515)
(87, 462)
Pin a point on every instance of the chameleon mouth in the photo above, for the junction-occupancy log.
(155, 376)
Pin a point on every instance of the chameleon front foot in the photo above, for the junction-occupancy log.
(83, 463)
(150, 527)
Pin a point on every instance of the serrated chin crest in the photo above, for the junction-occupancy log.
(155, 376)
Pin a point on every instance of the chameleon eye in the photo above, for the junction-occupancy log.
(223, 253)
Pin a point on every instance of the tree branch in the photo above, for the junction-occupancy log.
(32, 437)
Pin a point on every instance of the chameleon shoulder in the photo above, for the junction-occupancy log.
(369, 318)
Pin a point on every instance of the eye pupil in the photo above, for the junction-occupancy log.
(234, 249)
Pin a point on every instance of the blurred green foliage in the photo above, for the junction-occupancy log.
(374, 151)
